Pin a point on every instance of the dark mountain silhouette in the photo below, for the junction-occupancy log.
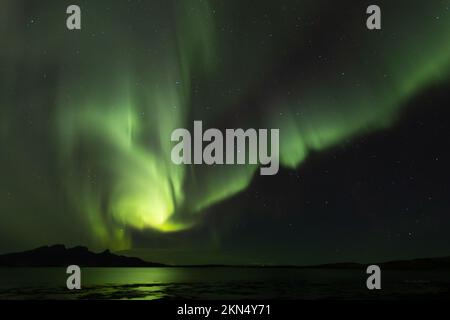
(59, 255)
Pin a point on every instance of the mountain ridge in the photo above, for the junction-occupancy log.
(60, 256)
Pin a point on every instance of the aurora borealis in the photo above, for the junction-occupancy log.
(86, 116)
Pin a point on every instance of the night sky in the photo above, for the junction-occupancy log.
(86, 118)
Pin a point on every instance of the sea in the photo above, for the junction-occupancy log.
(221, 283)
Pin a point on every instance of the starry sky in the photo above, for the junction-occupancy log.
(86, 118)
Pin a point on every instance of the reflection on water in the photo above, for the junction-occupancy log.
(220, 283)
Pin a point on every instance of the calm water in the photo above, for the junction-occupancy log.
(220, 283)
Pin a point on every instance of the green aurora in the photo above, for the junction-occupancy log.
(86, 116)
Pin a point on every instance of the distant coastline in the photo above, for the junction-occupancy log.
(61, 256)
